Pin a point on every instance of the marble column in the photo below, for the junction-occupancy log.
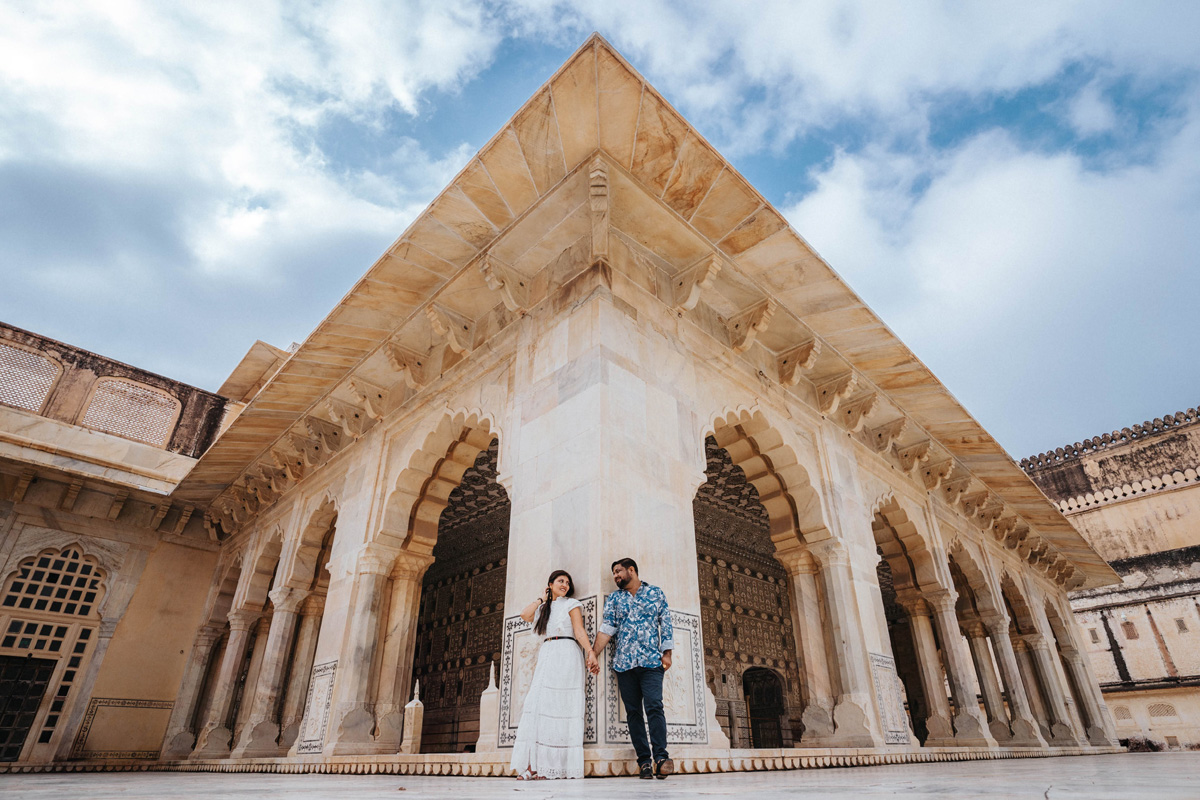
(354, 707)
(181, 735)
(399, 638)
(810, 639)
(1093, 717)
(969, 729)
(940, 733)
(214, 737)
(258, 651)
(854, 686)
(260, 732)
(1033, 687)
(303, 652)
(1022, 722)
(985, 669)
(1056, 707)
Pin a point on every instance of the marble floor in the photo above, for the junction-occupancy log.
(1161, 776)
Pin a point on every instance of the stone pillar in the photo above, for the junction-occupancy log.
(1093, 717)
(969, 730)
(398, 642)
(303, 653)
(261, 631)
(353, 709)
(993, 699)
(181, 736)
(1022, 722)
(810, 638)
(1056, 707)
(414, 721)
(1033, 688)
(851, 726)
(489, 715)
(929, 665)
(260, 732)
(213, 740)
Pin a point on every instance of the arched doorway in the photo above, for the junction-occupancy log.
(765, 706)
(746, 607)
(460, 621)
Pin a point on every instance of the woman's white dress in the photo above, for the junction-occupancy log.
(550, 733)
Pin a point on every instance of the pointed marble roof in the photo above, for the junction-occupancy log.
(677, 196)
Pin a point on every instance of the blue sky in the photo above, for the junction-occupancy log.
(1015, 188)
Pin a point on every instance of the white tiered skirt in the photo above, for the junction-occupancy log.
(550, 733)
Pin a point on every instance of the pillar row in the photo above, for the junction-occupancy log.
(215, 735)
(303, 654)
(969, 730)
(1056, 708)
(260, 731)
(181, 735)
(929, 667)
(1022, 723)
(819, 701)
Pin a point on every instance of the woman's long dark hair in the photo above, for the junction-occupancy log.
(543, 617)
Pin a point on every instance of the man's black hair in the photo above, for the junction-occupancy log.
(627, 563)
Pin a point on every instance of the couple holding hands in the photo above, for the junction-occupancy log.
(550, 734)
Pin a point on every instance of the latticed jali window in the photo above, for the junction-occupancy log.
(1163, 710)
(26, 378)
(131, 410)
(66, 583)
(1122, 712)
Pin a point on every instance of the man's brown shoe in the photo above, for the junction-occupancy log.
(665, 767)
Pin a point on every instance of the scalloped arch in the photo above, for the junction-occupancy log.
(905, 548)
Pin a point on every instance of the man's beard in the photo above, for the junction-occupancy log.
(621, 582)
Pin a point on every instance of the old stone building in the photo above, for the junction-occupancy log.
(1134, 494)
(599, 341)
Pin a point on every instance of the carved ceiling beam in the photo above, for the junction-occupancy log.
(990, 513)
(413, 366)
(854, 412)
(1003, 526)
(511, 286)
(118, 503)
(694, 281)
(455, 329)
(832, 390)
(796, 360)
(954, 488)
(372, 398)
(309, 450)
(598, 201)
(1013, 539)
(934, 474)
(277, 479)
(883, 437)
(261, 489)
(745, 327)
(184, 516)
(913, 455)
(354, 420)
(971, 503)
(289, 458)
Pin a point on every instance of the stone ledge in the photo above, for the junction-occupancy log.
(488, 765)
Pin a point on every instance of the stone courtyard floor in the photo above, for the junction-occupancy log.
(1161, 776)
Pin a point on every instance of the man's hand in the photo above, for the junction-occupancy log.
(666, 659)
(593, 663)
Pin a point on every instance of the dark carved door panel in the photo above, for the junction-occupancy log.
(764, 706)
(23, 682)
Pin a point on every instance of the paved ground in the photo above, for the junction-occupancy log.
(1160, 776)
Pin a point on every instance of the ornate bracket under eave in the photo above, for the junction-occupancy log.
(882, 437)
(354, 420)
(514, 292)
(794, 361)
(854, 412)
(694, 281)
(934, 474)
(413, 366)
(831, 391)
(329, 435)
(746, 326)
(457, 330)
(372, 398)
(289, 459)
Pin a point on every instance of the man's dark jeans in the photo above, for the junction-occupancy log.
(642, 686)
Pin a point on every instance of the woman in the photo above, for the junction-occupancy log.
(550, 735)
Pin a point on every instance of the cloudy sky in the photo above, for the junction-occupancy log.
(1014, 187)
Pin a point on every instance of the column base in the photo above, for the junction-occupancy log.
(850, 728)
(969, 732)
(1000, 731)
(939, 732)
(288, 735)
(179, 746)
(259, 740)
(1025, 734)
(354, 735)
(818, 726)
(1098, 738)
(1061, 735)
(213, 743)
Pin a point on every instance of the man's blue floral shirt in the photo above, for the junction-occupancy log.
(641, 624)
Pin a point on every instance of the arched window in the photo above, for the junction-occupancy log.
(1163, 710)
(26, 377)
(58, 583)
(131, 410)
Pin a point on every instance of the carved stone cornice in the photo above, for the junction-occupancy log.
(884, 436)
(934, 474)
(691, 283)
(328, 434)
(911, 455)
(455, 329)
(412, 366)
(853, 413)
(513, 290)
(372, 398)
(354, 420)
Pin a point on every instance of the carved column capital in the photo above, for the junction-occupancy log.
(974, 629)
(108, 626)
(287, 599)
(941, 600)
(997, 624)
(1036, 641)
(913, 603)
(374, 560)
(243, 619)
(313, 605)
(831, 553)
(798, 561)
(410, 566)
(208, 634)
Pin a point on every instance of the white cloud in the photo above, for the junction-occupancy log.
(1090, 113)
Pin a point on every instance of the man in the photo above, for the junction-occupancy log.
(638, 616)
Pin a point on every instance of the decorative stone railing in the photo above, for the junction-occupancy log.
(1128, 490)
(1059, 455)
